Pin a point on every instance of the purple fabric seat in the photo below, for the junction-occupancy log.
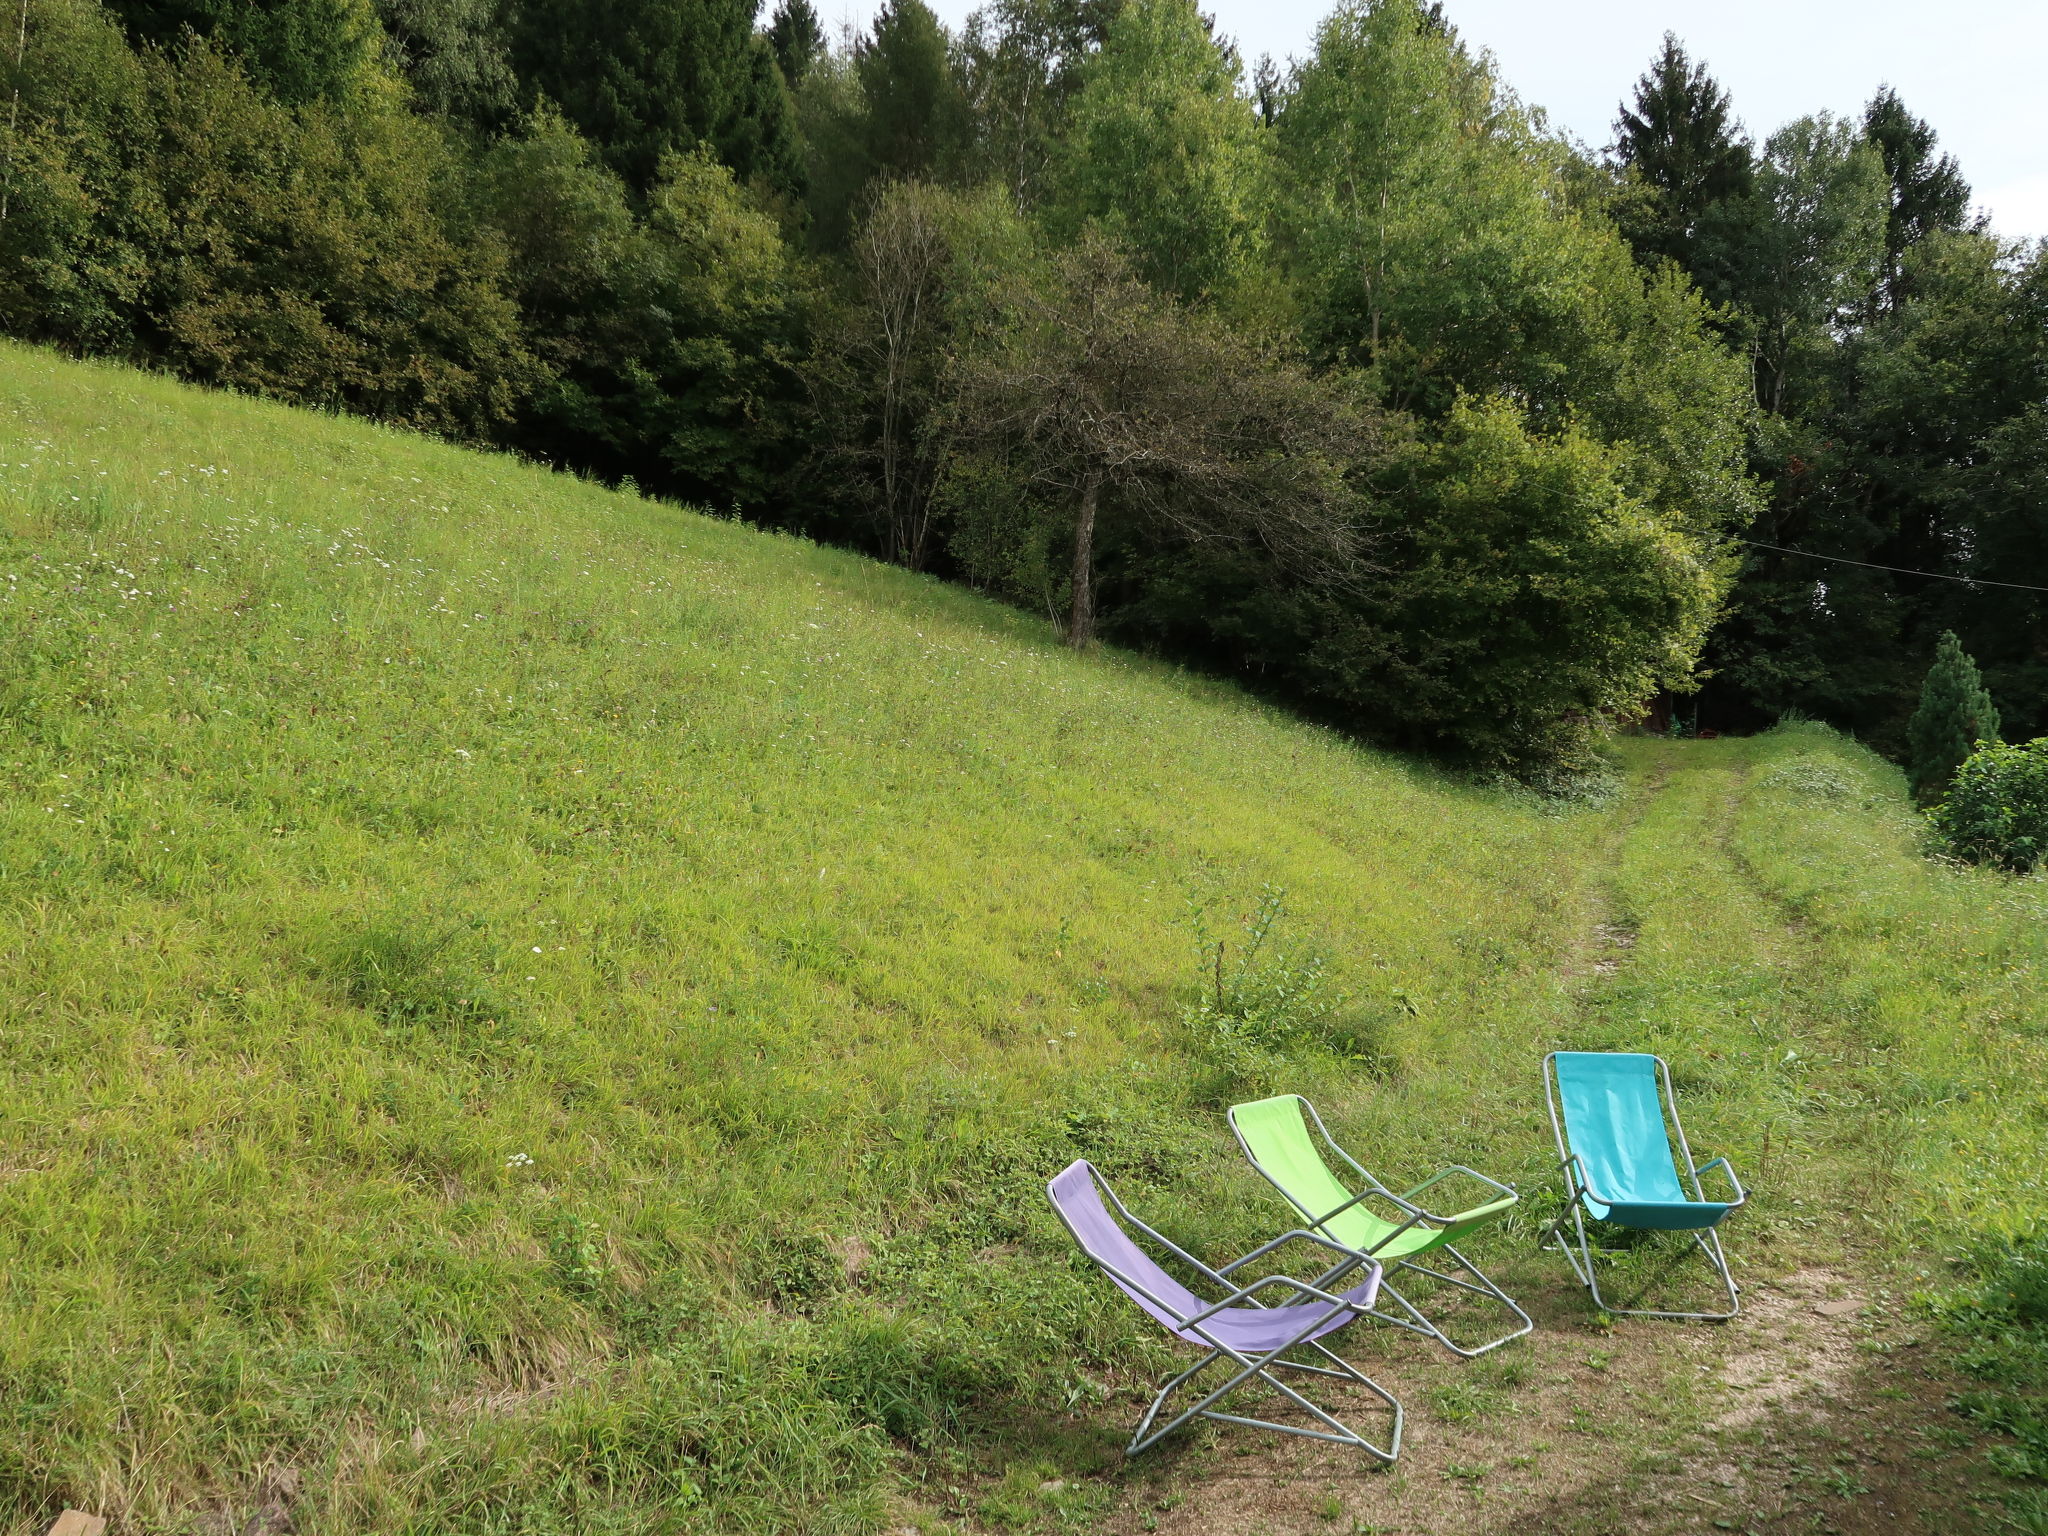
(1244, 1330)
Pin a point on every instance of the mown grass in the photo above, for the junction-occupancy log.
(529, 1009)
(1864, 1026)
(532, 1009)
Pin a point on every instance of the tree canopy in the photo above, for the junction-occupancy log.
(1348, 378)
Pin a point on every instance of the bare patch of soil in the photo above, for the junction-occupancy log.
(1805, 1415)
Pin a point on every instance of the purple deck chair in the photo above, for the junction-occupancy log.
(1238, 1327)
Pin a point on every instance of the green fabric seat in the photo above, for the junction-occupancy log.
(1368, 1218)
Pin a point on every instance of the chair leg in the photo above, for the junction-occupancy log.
(1482, 1287)
(1262, 1367)
(1709, 1243)
(1139, 1439)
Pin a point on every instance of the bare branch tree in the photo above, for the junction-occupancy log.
(1103, 393)
(880, 372)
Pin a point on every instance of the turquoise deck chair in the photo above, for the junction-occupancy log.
(1275, 1136)
(1616, 1121)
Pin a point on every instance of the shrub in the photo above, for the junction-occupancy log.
(1997, 807)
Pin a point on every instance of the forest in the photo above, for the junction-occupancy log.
(1346, 377)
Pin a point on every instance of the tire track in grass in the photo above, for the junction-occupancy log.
(1822, 1408)
(1805, 1415)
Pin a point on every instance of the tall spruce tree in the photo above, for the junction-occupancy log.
(796, 37)
(1955, 714)
(1689, 160)
(1928, 195)
(913, 109)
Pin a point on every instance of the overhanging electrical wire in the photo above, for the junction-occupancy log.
(1968, 581)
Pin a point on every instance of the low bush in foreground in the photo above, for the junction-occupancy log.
(1996, 811)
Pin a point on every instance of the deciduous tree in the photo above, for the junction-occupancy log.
(1104, 399)
(1166, 155)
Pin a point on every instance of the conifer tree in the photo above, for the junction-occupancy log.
(913, 108)
(1955, 714)
(797, 38)
(644, 79)
(1928, 195)
(1689, 159)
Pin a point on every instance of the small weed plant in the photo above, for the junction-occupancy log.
(1262, 999)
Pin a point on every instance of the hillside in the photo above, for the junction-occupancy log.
(532, 1009)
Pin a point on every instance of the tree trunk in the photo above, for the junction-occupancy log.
(1081, 618)
(14, 111)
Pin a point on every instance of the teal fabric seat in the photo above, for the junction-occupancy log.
(1625, 1160)
(1614, 1124)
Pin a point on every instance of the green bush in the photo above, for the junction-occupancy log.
(1997, 807)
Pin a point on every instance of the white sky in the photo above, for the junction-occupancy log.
(1974, 69)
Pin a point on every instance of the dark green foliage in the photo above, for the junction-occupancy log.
(454, 55)
(644, 79)
(1955, 716)
(304, 50)
(664, 337)
(1996, 810)
(911, 104)
(305, 253)
(1928, 196)
(1522, 595)
(797, 38)
(1686, 159)
(892, 108)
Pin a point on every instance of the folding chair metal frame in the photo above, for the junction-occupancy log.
(1578, 1190)
(1413, 1216)
(1249, 1365)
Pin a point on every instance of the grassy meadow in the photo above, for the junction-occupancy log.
(529, 1009)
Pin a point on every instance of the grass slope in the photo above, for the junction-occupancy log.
(529, 1010)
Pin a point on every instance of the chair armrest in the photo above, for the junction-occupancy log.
(1445, 1173)
(1349, 1255)
(1741, 1194)
(1316, 1290)
(1580, 1184)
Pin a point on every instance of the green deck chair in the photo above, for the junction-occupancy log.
(1275, 1136)
(1615, 1134)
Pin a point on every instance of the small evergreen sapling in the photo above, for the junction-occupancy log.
(1955, 714)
